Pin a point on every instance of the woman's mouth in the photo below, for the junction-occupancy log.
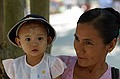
(81, 58)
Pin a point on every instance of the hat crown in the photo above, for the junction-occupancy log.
(33, 16)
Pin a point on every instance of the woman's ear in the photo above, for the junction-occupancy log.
(49, 40)
(17, 40)
(112, 44)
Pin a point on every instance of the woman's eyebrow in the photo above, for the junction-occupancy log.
(88, 40)
(75, 35)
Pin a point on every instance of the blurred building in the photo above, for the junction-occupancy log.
(116, 5)
(105, 3)
(57, 6)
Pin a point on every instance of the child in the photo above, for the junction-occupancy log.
(33, 34)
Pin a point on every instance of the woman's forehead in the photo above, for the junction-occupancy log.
(86, 30)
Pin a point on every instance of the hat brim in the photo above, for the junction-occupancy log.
(12, 33)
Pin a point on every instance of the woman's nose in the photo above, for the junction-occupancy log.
(80, 48)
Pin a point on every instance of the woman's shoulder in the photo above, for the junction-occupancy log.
(70, 62)
(111, 72)
(68, 59)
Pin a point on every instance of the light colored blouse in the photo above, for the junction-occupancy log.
(70, 62)
(48, 68)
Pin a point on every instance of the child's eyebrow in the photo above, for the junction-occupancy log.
(27, 35)
(41, 34)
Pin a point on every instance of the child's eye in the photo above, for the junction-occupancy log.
(27, 39)
(40, 38)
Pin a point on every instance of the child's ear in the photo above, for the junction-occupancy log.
(49, 39)
(112, 45)
(17, 40)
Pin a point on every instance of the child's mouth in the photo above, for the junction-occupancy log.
(35, 50)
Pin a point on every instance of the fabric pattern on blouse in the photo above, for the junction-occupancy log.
(70, 62)
(48, 68)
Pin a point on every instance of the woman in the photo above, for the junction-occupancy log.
(96, 36)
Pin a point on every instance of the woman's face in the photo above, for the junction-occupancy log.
(89, 46)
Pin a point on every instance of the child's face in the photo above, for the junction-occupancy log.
(33, 39)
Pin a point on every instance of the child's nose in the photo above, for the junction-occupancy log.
(34, 44)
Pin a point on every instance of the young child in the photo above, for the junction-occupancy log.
(33, 34)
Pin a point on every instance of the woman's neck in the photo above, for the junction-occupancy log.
(91, 72)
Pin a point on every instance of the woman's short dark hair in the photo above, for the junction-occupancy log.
(105, 20)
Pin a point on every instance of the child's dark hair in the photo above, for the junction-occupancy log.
(105, 20)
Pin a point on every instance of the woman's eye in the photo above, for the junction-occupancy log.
(27, 39)
(88, 43)
(40, 38)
